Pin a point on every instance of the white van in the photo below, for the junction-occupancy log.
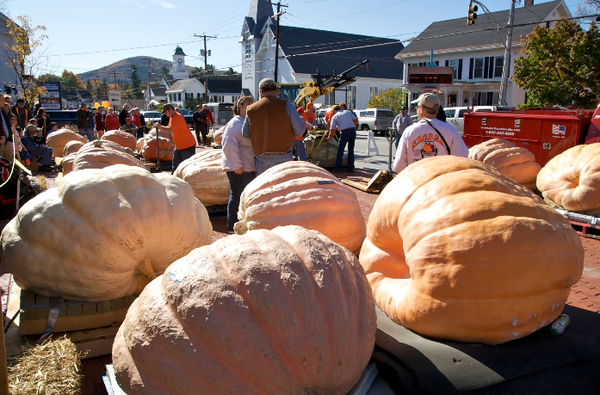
(455, 115)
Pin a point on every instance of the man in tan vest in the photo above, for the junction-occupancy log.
(271, 124)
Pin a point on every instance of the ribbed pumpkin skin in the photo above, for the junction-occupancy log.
(72, 147)
(218, 136)
(455, 250)
(120, 137)
(57, 140)
(270, 312)
(67, 163)
(517, 163)
(140, 144)
(301, 193)
(103, 153)
(572, 179)
(204, 173)
(103, 234)
(165, 149)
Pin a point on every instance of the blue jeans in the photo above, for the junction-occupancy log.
(300, 149)
(89, 133)
(40, 150)
(237, 183)
(348, 136)
(266, 161)
(180, 156)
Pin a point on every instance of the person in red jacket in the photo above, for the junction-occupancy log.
(99, 121)
(111, 121)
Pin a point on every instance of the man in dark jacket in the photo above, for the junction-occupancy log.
(84, 122)
(124, 114)
(23, 113)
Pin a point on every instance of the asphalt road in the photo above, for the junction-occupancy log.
(377, 158)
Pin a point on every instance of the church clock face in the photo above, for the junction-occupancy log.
(179, 60)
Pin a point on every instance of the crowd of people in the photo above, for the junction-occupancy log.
(261, 134)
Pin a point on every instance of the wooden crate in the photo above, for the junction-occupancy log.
(73, 316)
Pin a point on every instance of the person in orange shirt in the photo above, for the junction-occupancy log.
(329, 114)
(185, 143)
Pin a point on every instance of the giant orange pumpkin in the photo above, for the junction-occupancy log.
(102, 234)
(270, 312)
(571, 179)
(165, 149)
(456, 250)
(204, 173)
(301, 193)
(517, 163)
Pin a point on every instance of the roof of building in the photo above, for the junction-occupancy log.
(179, 51)
(456, 34)
(260, 12)
(169, 79)
(309, 49)
(180, 85)
(223, 85)
(158, 89)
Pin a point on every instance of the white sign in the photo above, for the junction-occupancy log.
(114, 97)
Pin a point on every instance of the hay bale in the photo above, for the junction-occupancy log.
(53, 367)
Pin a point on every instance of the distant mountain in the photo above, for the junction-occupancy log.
(122, 70)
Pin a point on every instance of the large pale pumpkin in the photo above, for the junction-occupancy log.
(125, 139)
(99, 154)
(72, 147)
(103, 234)
(204, 173)
(271, 312)
(517, 163)
(57, 140)
(301, 193)
(572, 179)
(456, 250)
(218, 135)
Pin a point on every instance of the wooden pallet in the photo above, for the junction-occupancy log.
(91, 326)
(374, 184)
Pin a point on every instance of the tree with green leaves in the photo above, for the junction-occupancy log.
(559, 66)
(136, 82)
(24, 56)
(102, 91)
(230, 71)
(70, 80)
(394, 99)
(49, 78)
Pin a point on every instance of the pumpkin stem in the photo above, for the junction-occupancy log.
(145, 273)
(240, 228)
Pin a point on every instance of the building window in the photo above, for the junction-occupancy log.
(478, 68)
(373, 91)
(499, 66)
(248, 51)
(454, 64)
(179, 97)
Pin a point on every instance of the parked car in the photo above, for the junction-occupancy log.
(379, 120)
(455, 115)
(151, 117)
(63, 117)
(187, 115)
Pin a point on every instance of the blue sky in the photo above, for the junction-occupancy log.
(84, 36)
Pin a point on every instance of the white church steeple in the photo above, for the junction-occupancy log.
(178, 70)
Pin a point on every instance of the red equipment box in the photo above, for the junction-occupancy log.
(546, 132)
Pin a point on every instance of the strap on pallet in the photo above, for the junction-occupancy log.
(52, 318)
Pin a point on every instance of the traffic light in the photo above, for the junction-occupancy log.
(471, 16)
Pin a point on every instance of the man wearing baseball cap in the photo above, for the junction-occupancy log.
(271, 124)
(183, 139)
(429, 137)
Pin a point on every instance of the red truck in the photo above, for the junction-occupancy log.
(546, 132)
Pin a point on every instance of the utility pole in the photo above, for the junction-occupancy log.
(507, 50)
(205, 66)
(279, 13)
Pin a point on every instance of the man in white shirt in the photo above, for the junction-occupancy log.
(429, 137)
(346, 122)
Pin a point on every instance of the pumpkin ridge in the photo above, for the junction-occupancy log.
(259, 316)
